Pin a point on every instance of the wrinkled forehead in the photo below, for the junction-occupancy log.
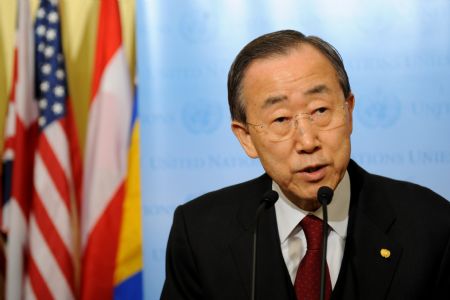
(303, 70)
(303, 56)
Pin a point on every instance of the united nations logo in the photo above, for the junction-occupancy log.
(378, 111)
(201, 117)
(198, 26)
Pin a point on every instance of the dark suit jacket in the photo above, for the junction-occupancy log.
(209, 248)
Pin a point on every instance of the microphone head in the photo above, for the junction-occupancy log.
(324, 195)
(270, 197)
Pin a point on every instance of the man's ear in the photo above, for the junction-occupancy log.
(243, 135)
(351, 106)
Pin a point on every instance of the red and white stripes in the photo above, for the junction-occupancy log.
(52, 236)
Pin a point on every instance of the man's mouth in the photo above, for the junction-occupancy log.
(312, 169)
(313, 173)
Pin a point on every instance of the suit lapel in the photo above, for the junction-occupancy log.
(370, 258)
(273, 281)
(375, 259)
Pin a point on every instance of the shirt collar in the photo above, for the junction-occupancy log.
(289, 215)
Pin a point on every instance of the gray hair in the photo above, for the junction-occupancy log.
(272, 44)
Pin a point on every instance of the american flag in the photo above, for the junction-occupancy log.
(52, 247)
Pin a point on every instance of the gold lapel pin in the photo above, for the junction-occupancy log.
(385, 253)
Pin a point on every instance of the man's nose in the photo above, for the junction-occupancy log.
(305, 135)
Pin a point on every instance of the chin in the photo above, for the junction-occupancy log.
(309, 194)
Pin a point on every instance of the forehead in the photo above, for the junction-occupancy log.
(289, 75)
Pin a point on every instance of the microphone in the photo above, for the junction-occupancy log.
(267, 201)
(324, 196)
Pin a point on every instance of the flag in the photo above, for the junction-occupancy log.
(106, 157)
(18, 154)
(42, 165)
(128, 272)
(52, 245)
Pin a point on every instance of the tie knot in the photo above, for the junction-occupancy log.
(312, 226)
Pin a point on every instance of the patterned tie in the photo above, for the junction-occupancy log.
(307, 281)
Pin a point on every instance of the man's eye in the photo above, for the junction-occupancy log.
(281, 120)
(321, 110)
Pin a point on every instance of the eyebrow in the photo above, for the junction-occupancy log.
(318, 89)
(273, 100)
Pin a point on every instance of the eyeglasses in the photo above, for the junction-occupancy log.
(322, 119)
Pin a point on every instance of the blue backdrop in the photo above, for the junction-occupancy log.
(397, 54)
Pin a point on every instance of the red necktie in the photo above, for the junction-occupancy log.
(307, 281)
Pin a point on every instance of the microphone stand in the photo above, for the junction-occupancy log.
(255, 238)
(324, 251)
(268, 200)
(324, 196)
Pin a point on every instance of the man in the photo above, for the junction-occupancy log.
(291, 107)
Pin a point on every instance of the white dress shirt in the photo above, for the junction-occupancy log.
(292, 237)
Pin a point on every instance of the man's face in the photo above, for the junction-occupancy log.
(302, 81)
